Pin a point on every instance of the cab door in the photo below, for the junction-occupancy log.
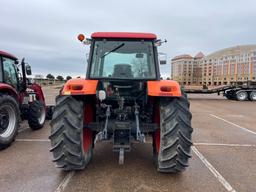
(9, 74)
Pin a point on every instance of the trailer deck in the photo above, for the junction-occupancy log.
(239, 90)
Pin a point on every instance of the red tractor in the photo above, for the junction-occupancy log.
(19, 99)
(122, 100)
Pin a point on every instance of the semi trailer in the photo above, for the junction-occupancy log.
(237, 90)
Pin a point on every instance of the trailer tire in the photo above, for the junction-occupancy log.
(67, 135)
(241, 95)
(10, 114)
(175, 135)
(253, 96)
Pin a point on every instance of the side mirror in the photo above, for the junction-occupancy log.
(162, 57)
(28, 70)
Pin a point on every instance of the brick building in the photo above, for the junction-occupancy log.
(219, 68)
(186, 69)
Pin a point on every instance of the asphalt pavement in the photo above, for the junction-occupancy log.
(224, 156)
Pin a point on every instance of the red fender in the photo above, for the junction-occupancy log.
(87, 133)
(5, 88)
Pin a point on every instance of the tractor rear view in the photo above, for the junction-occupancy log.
(19, 99)
(122, 100)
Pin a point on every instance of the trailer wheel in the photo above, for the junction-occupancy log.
(173, 140)
(253, 96)
(241, 95)
(9, 120)
(71, 143)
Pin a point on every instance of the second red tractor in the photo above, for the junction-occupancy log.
(19, 99)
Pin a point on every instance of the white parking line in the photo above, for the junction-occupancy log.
(33, 140)
(65, 182)
(225, 144)
(243, 128)
(220, 178)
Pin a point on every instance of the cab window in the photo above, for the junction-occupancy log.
(10, 73)
(122, 59)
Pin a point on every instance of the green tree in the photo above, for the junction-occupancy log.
(68, 77)
(50, 76)
(60, 78)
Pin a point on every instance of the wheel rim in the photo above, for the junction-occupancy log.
(242, 96)
(253, 95)
(87, 140)
(42, 115)
(157, 140)
(7, 120)
(87, 133)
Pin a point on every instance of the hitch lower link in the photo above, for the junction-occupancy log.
(103, 135)
(121, 134)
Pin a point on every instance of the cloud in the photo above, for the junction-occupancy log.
(45, 31)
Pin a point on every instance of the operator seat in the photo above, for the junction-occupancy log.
(123, 71)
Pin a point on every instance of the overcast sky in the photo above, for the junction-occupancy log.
(44, 31)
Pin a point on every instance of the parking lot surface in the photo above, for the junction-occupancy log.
(224, 155)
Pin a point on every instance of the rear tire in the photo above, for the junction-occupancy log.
(253, 96)
(175, 135)
(241, 95)
(67, 135)
(9, 120)
(36, 115)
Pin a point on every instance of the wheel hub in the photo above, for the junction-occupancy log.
(4, 120)
(242, 95)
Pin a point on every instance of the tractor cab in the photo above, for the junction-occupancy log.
(10, 71)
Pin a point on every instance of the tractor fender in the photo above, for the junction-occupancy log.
(80, 87)
(165, 88)
(38, 91)
(8, 89)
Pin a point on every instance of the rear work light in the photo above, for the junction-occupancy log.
(166, 88)
(81, 37)
(75, 87)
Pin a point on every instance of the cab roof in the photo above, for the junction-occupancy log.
(5, 54)
(123, 35)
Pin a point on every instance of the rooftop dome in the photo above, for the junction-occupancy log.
(232, 50)
(184, 56)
